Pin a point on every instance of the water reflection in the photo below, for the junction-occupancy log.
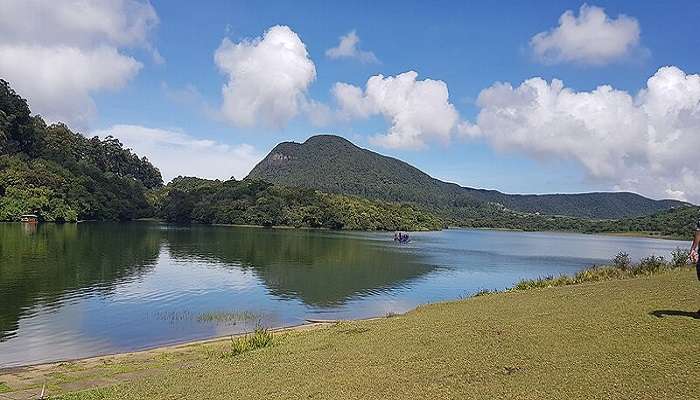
(322, 269)
(42, 269)
(44, 265)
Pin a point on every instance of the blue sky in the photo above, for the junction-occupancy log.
(168, 95)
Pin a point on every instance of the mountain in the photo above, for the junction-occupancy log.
(333, 164)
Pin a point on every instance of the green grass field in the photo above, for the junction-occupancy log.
(621, 339)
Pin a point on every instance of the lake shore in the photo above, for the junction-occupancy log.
(482, 347)
(638, 234)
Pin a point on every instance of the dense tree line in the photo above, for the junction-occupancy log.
(256, 202)
(678, 223)
(62, 175)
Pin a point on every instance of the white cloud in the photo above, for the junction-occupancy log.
(58, 53)
(268, 77)
(348, 48)
(589, 38)
(319, 114)
(645, 142)
(418, 110)
(58, 81)
(177, 153)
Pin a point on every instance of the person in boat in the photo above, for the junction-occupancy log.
(401, 237)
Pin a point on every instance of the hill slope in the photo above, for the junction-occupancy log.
(61, 175)
(333, 164)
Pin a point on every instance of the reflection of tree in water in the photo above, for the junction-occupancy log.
(42, 267)
(320, 268)
(45, 267)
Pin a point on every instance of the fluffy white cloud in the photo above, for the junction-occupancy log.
(58, 80)
(418, 110)
(268, 77)
(589, 38)
(348, 48)
(646, 143)
(176, 153)
(58, 53)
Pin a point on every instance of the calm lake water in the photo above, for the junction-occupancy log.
(70, 291)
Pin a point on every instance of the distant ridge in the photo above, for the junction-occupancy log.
(333, 164)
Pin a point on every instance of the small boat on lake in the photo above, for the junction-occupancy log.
(29, 218)
(401, 237)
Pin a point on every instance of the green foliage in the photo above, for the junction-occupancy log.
(255, 202)
(260, 338)
(63, 176)
(651, 264)
(680, 257)
(678, 222)
(621, 269)
(622, 260)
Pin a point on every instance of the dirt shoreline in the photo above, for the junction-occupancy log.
(177, 346)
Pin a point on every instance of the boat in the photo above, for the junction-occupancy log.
(29, 218)
(401, 237)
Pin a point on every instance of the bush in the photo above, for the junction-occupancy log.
(679, 258)
(260, 338)
(622, 260)
(651, 264)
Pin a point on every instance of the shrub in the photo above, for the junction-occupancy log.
(622, 260)
(679, 258)
(260, 338)
(651, 264)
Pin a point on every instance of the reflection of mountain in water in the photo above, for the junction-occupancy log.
(42, 266)
(320, 268)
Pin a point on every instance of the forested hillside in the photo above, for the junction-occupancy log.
(678, 223)
(255, 202)
(63, 176)
(333, 164)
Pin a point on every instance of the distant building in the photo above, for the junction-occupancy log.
(29, 218)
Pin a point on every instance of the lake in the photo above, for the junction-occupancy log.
(69, 291)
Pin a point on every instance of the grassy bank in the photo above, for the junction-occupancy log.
(630, 338)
